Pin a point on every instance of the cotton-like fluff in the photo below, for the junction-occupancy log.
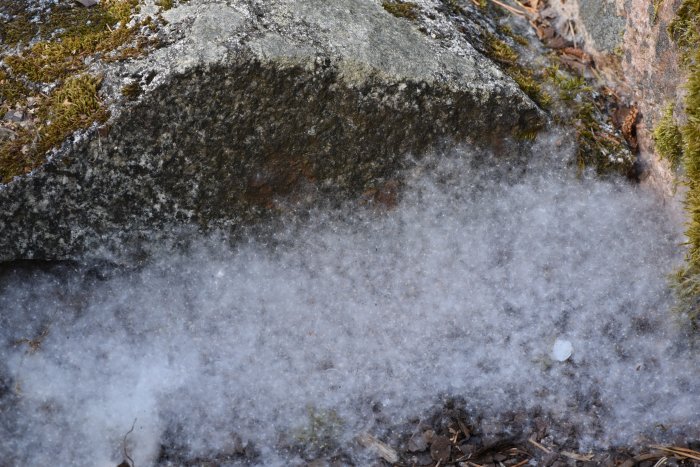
(362, 318)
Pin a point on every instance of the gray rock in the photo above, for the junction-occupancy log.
(417, 443)
(256, 102)
(14, 116)
(7, 134)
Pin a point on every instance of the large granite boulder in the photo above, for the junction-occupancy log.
(253, 102)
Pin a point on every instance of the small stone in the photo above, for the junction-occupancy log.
(549, 458)
(417, 443)
(87, 3)
(7, 134)
(422, 458)
(14, 116)
(440, 449)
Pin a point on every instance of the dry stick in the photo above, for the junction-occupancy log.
(464, 428)
(685, 450)
(576, 456)
(571, 30)
(126, 454)
(536, 444)
(661, 461)
(680, 451)
(383, 450)
(526, 8)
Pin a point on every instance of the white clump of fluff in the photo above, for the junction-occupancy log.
(457, 291)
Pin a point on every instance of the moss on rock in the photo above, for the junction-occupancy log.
(668, 139)
(72, 106)
(64, 37)
(408, 10)
(685, 30)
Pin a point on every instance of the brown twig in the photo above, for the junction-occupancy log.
(678, 451)
(577, 457)
(538, 445)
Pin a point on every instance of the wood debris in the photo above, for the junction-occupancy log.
(383, 450)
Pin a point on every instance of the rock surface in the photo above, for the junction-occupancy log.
(254, 102)
(631, 48)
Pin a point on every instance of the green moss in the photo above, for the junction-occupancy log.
(504, 54)
(65, 36)
(321, 433)
(668, 139)
(500, 51)
(657, 4)
(569, 86)
(72, 106)
(408, 10)
(18, 30)
(516, 37)
(72, 34)
(529, 84)
(685, 29)
(165, 4)
(131, 90)
(599, 145)
(11, 90)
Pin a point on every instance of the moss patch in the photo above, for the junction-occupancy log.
(131, 90)
(72, 106)
(685, 30)
(688, 278)
(530, 85)
(500, 51)
(504, 54)
(320, 436)
(408, 10)
(600, 145)
(507, 30)
(11, 91)
(64, 37)
(668, 140)
(656, 4)
(165, 4)
(83, 32)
